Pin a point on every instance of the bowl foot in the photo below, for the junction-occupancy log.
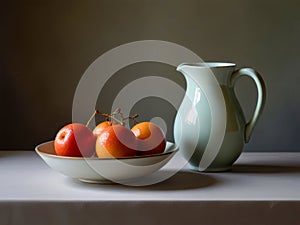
(96, 181)
(207, 170)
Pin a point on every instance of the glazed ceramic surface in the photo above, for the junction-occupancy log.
(97, 170)
(210, 126)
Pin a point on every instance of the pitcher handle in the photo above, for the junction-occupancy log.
(261, 96)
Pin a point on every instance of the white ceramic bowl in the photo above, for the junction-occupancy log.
(97, 170)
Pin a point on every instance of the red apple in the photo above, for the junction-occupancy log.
(75, 140)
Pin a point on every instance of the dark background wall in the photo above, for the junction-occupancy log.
(45, 47)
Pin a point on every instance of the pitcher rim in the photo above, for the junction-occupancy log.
(208, 64)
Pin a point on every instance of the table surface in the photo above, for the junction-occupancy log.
(271, 178)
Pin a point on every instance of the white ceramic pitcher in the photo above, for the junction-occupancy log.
(210, 126)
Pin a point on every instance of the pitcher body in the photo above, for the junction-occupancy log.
(210, 126)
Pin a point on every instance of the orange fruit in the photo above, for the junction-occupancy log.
(151, 139)
(100, 127)
(116, 141)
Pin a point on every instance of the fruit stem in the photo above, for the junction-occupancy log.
(90, 119)
(112, 117)
(133, 118)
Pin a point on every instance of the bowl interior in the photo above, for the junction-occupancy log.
(47, 148)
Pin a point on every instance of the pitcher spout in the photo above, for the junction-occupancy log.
(188, 69)
(181, 67)
(184, 67)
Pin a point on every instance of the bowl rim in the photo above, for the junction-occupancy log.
(173, 150)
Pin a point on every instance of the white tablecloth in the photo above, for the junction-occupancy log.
(261, 188)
